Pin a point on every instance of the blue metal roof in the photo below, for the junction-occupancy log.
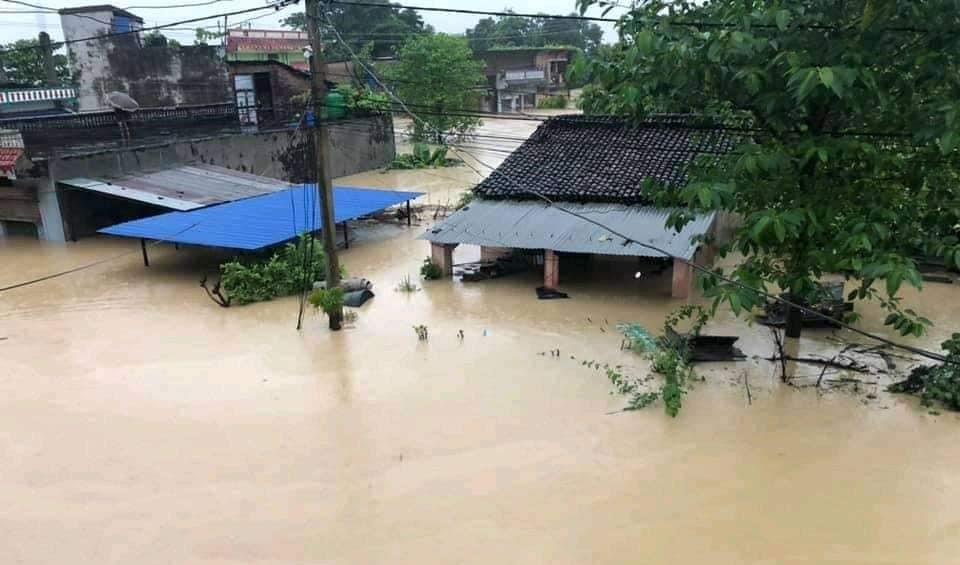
(259, 221)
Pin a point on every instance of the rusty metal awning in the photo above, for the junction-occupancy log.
(182, 188)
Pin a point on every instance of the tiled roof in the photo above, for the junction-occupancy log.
(9, 157)
(264, 44)
(602, 159)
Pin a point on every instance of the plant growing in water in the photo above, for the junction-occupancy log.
(430, 270)
(423, 158)
(422, 333)
(938, 383)
(406, 285)
(289, 270)
(327, 300)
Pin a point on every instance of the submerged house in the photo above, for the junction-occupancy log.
(595, 167)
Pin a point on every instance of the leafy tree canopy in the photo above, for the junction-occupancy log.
(22, 63)
(437, 74)
(385, 28)
(850, 125)
(503, 31)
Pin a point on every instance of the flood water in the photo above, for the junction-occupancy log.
(141, 423)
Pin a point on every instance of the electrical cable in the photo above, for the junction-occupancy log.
(58, 44)
(627, 239)
(663, 19)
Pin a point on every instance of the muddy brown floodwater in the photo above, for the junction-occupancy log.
(141, 423)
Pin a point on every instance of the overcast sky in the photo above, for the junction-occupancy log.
(26, 25)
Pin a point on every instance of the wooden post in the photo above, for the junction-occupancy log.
(346, 235)
(143, 249)
(408, 214)
(321, 135)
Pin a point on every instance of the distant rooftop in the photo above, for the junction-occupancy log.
(100, 8)
(525, 48)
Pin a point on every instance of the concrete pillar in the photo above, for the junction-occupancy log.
(442, 256)
(493, 253)
(682, 279)
(551, 269)
(49, 203)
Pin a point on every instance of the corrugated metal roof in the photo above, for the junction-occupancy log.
(260, 221)
(537, 225)
(182, 188)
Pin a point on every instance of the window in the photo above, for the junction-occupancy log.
(273, 56)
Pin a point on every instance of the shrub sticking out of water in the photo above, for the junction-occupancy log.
(291, 269)
(407, 285)
(430, 270)
(422, 333)
(668, 357)
(937, 383)
(423, 157)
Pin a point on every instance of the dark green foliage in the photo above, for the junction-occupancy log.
(363, 101)
(939, 383)
(327, 300)
(280, 274)
(430, 270)
(423, 157)
(667, 356)
(439, 74)
(383, 29)
(848, 153)
(552, 102)
(22, 62)
(516, 31)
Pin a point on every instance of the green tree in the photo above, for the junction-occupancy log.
(847, 158)
(516, 31)
(435, 75)
(385, 28)
(22, 62)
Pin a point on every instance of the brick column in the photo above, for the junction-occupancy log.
(442, 256)
(682, 279)
(551, 269)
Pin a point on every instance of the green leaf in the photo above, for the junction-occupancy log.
(822, 153)
(948, 141)
(809, 82)
(780, 230)
(829, 80)
(783, 19)
(891, 318)
(759, 227)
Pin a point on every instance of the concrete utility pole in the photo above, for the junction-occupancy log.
(321, 138)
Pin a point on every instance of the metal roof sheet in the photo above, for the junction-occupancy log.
(182, 188)
(260, 221)
(538, 225)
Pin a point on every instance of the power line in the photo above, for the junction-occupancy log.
(692, 264)
(662, 19)
(168, 6)
(152, 28)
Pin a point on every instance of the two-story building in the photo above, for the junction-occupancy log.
(519, 76)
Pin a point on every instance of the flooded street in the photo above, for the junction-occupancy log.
(141, 423)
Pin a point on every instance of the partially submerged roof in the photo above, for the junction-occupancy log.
(181, 188)
(538, 225)
(602, 159)
(261, 221)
